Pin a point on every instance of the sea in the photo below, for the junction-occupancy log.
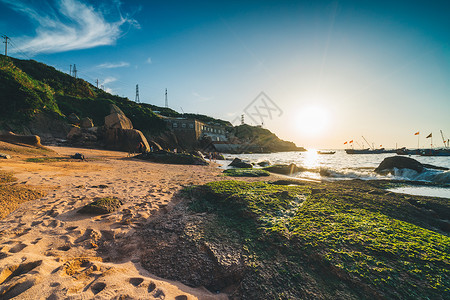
(343, 166)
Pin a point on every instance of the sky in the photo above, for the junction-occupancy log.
(318, 73)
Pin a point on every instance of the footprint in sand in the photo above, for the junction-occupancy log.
(136, 281)
(159, 294)
(98, 287)
(151, 287)
(17, 248)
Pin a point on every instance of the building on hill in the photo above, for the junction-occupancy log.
(189, 131)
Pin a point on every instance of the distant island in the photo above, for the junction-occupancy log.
(40, 100)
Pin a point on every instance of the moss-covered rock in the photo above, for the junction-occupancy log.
(245, 173)
(101, 206)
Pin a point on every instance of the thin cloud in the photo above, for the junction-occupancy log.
(108, 80)
(201, 98)
(67, 25)
(114, 65)
(149, 60)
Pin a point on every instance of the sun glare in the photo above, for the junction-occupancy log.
(312, 120)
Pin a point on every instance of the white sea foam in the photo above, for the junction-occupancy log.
(342, 166)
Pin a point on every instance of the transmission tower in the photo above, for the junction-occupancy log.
(167, 101)
(137, 94)
(242, 120)
(6, 44)
(96, 82)
(74, 71)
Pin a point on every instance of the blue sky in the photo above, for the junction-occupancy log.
(332, 70)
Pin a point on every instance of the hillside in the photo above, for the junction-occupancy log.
(35, 97)
(263, 140)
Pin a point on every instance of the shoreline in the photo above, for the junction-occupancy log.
(61, 253)
(48, 232)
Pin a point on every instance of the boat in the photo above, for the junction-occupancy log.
(435, 152)
(326, 152)
(367, 151)
(404, 151)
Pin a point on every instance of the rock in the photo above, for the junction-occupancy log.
(399, 162)
(125, 140)
(74, 133)
(284, 169)
(435, 167)
(154, 145)
(101, 206)
(116, 120)
(5, 156)
(114, 109)
(86, 123)
(73, 119)
(77, 156)
(167, 157)
(264, 163)
(11, 137)
(238, 163)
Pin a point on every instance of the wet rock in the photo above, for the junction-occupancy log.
(284, 169)
(167, 157)
(399, 162)
(239, 163)
(264, 163)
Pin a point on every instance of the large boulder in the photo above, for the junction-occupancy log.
(284, 169)
(399, 162)
(239, 163)
(11, 137)
(167, 157)
(73, 119)
(129, 140)
(116, 120)
(86, 123)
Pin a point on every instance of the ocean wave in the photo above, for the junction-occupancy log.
(429, 175)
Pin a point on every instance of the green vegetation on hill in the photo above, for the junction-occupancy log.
(29, 87)
(327, 241)
(263, 139)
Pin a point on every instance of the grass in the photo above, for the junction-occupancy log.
(12, 195)
(46, 159)
(334, 238)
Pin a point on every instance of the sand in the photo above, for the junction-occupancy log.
(49, 251)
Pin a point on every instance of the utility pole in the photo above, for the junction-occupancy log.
(167, 101)
(6, 44)
(70, 72)
(137, 94)
(96, 82)
(74, 71)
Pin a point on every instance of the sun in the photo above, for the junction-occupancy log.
(312, 120)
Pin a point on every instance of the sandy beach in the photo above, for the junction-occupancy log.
(49, 251)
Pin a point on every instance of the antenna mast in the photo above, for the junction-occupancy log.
(167, 101)
(137, 94)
